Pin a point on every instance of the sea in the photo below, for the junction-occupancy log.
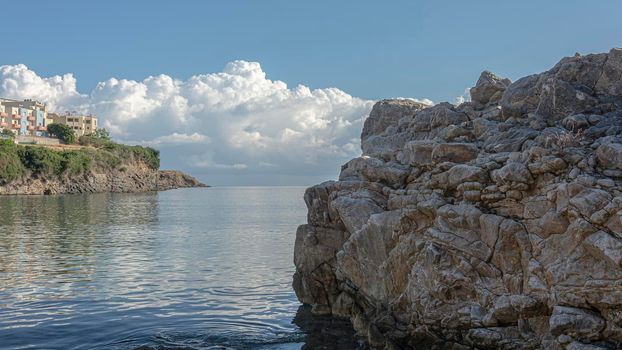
(202, 268)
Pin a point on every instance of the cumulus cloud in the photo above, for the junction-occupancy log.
(236, 120)
(465, 97)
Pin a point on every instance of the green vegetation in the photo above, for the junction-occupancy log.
(63, 132)
(17, 161)
(11, 167)
(101, 140)
(102, 133)
(48, 162)
(6, 133)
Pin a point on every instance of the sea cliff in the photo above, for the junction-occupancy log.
(93, 168)
(494, 224)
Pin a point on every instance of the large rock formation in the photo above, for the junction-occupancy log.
(493, 224)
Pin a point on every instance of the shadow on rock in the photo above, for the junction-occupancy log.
(326, 332)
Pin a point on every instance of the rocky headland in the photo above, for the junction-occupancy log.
(37, 170)
(495, 224)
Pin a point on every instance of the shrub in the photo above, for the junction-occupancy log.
(63, 132)
(75, 162)
(102, 133)
(6, 133)
(147, 155)
(102, 141)
(11, 167)
(18, 160)
(563, 140)
(90, 140)
(41, 160)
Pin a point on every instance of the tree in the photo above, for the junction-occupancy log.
(102, 133)
(64, 132)
(6, 133)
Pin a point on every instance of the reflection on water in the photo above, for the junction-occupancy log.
(194, 268)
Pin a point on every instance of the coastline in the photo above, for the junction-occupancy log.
(112, 167)
(160, 180)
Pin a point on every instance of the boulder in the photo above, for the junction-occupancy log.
(488, 88)
(512, 172)
(576, 322)
(454, 152)
(610, 155)
(387, 113)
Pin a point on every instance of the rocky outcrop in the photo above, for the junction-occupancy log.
(133, 177)
(495, 224)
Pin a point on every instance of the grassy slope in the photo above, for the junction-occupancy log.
(17, 161)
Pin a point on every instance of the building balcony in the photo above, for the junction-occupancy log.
(41, 128)
(31, 128)
(16, 116)
(17, 126)
(31, 119)
(4, 124)
(4, 114)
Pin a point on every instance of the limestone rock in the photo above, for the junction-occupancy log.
(496, 224)
(576, 322)
(488, 88)
(610, 155)
(454, 152)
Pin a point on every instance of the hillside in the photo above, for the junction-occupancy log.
(98, 166)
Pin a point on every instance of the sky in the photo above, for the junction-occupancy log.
(275, 92)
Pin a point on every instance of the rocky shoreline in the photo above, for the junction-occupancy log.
(131, 179)
(495, 224)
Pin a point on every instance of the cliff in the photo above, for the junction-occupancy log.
(107, 167)
(495, 224)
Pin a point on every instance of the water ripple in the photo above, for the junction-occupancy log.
(185, 269)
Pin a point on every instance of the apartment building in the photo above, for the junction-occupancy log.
(30, 118)
(27, 117)
(81, 124)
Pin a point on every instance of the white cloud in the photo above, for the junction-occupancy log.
(236, 119)
(19, 82)
(465, 97)
(176, 138)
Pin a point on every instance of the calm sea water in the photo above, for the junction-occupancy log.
(183, 269)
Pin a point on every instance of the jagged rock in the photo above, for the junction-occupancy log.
(374, 170)
(386, 113)
(610, 155)
(576, 122)
(521, 97)
(496, 224)
(488, 88)
(606, 246)
(460, 174)
(454, 152)
(512, 172)
(418, 152)
(610, 81)
(576, 322)
(559, 98)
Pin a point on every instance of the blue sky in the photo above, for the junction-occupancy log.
(367, 49)
(370, 49)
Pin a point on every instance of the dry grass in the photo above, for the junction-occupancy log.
(560, 141)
